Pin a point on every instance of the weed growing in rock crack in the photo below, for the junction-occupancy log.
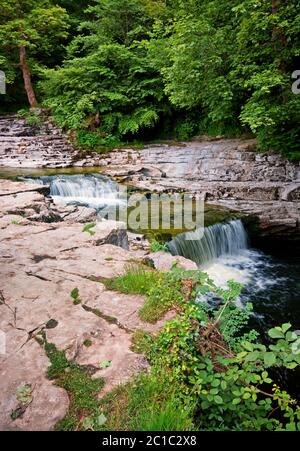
(88, 228)
(81, 388)
(24, 398)
(75, 296)
(14, 222)
(146, 404)
(135, 280)
(87, 343)
(156, 246)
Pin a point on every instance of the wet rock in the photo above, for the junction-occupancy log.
(162, 261)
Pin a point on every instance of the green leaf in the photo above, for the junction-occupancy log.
(223, 385)
(218, 399)
(291, 366)
(24, 394)
(252, 356)
(75, 294)
(248, 346)
(276, 333)
(101, 420)
(285, 327)
(269, 359)
(214, 391)
(88, 229)
(291, 336)
(105, 364)
(88, 424)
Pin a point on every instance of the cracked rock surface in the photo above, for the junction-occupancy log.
(228, 173)
(40, 264)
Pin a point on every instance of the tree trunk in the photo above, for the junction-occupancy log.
(275, 6)
(27, 77)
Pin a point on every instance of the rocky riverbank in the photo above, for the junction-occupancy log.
(227, 173)
(45, 254)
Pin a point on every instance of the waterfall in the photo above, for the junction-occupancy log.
(91, 190)
(216, 241)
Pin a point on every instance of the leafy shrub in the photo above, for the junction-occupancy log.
(156, 246)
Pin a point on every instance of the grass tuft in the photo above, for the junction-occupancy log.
(161, 290)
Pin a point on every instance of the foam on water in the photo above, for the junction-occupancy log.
(91, 190)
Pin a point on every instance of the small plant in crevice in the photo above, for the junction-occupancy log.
(156, 246)
(88, 228)
(82, 389)
(75, 296)
(87, 343)
(24, 397)
(105, 364)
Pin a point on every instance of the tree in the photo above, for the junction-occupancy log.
(28, 29)
(233, 61)
(107, 83)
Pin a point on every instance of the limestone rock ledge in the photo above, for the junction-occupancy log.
(44, 255)
(228, 173)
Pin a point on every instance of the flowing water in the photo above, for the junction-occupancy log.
(271, 282)
(90, 190)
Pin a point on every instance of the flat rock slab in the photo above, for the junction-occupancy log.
(162, 261)
(225, 172)
(40, 265)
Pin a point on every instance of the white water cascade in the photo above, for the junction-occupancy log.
(216, 241)
(91, 190)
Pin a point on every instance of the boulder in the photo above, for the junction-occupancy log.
(163, 261)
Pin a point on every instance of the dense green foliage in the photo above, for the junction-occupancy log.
(149, 68)
(39, 28)
(207, 371)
